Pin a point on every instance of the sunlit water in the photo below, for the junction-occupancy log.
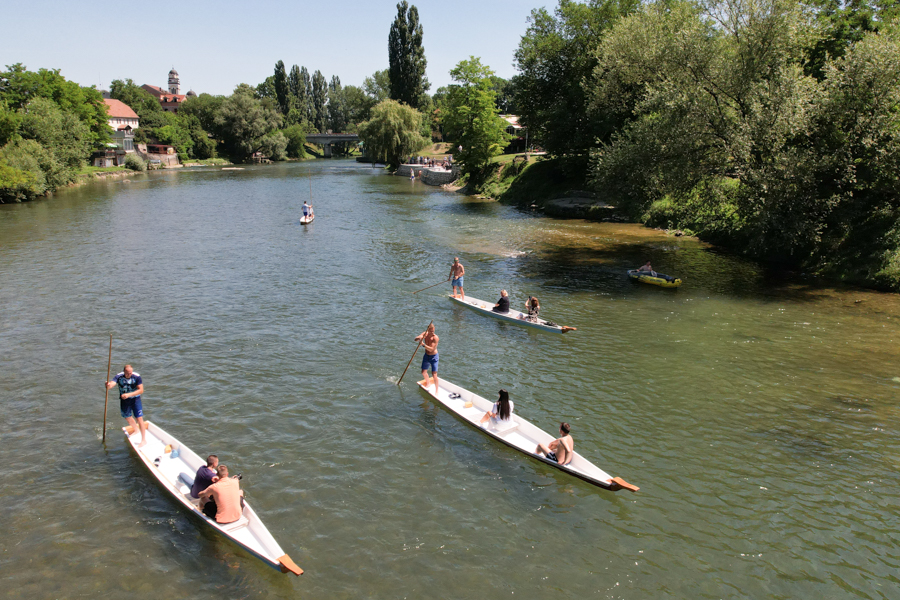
(758, 414)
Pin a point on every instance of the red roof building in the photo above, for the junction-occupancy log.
(120, 114)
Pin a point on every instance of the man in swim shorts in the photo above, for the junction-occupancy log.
(430, 342)
(456, 278)
(131, 386)
(560, 450)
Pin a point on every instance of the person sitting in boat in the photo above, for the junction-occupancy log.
(223, 500)
(560, 450)
(533, 307)
(647, 269)
(502, 305)
(206, 476)
(502, 409)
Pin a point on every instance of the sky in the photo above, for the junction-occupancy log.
(215, 45)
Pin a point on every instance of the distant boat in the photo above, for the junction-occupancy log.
(519, 434)
(174, 465)
(513, 316)
(666, 281)
(307, 220)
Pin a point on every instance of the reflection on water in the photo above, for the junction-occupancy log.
(756, 410)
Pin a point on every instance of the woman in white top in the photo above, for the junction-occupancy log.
(502, 409)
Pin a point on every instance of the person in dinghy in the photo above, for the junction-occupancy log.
(502, 409)
(562, 449)
(430, 342)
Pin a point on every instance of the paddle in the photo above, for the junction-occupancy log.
(414, 353)
(106, 401)
(431, 286)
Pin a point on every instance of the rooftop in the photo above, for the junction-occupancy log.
(118, 109)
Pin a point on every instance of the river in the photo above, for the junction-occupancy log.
(757, 412)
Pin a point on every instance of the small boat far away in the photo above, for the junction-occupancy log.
(173, 465)
(307, 220)
(519, 434)
(666, 281)
(513, 316)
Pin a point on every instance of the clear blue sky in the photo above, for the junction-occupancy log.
(215, 45)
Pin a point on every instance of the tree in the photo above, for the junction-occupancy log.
(319, 100)
(298, 112)
(266, 89)
(406, 57)
(358, 105)
(282, 88)
(306, 101)
(472, 115)
(204, 107)
(296, 140)
(245, 122)
(556, 54)
(392, 132)
(378, 86)
(337, 107)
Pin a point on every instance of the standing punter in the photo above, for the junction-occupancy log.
(307, 209)
(456, 278)
(430, 341)
(131, 386)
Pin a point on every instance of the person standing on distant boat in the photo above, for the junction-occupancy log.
(430, 342)
(456, 278)
(560, 450)
(307, 210)
(131, 386)
(502, 305)
(502, 409)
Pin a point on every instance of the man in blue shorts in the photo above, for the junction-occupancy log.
(131, 386)
(456, 278)
(430, 342)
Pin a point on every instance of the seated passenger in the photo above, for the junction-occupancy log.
(560, 450)
(647, 269)
(502, 409)
(533, 307)
(206, 476)
(223, 500)
(502, 305)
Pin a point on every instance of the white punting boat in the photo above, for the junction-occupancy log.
(176, 474)
(513, 316)
(519, 434)
(307, 220)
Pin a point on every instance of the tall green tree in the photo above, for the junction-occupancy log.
(472, 115)
(297, 113)
(319, 101)
(392, 133)
(282, 88)
(406, 57)
(247, 124)
(378, 86)
(306, 101)
(337, 106)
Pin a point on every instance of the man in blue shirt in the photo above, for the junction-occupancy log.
(131, 386)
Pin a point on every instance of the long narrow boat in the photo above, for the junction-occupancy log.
(513, 316)
(666, 281)
(518, 434)
(307, 220)
(173, 465)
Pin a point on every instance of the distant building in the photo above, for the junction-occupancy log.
(123, 121)
(169, 100)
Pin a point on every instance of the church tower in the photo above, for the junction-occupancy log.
(174, 84)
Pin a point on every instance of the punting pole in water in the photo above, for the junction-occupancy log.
(106, 401)
(414, 352)
(431, 286)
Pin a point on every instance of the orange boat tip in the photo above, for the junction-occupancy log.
(621, 483)
(288, 566)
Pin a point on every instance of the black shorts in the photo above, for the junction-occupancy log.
(552, 456)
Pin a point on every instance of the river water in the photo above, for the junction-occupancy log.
(757, 413)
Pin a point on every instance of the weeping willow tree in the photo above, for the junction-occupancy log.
(392, 133)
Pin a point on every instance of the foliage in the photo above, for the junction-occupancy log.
(378, 86)
(472, 115)
(337, 106)
(244, 122)
(17, 185)
(296, 140)
(392, 133)
(556, 55)
(204, 107)
(406, 57)
(135, 162)
(282, 88)
(64, 139)
(319, 101)
(26, 165)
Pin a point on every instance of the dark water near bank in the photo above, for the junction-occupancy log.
(759, 415)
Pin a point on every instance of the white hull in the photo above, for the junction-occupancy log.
(307, 220)
(177, 474)
(513, 316)
(520, 434)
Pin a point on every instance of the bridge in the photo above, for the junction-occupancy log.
(327, 139)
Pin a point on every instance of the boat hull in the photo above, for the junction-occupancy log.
(175, 475)
(513, 316)
(650, 279)
(307, 220)
(519, 434)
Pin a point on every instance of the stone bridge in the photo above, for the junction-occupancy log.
(327, 139)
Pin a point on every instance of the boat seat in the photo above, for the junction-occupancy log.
(504, 426)
(239, 524)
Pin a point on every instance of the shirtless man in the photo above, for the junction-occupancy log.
(131, 386)
(456, 278)
(430, 342)
(647, 268)
(560, 450)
